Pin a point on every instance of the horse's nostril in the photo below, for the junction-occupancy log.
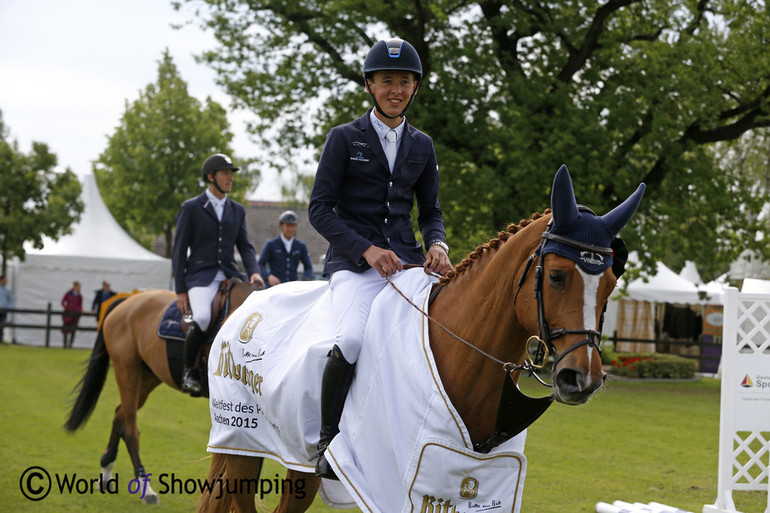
(570, 380)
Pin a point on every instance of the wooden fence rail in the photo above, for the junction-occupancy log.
(48, 325)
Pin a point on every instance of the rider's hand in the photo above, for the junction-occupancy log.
(384, 261)
(183, 303)
(273, 280)
(437, 260)
(257, 278)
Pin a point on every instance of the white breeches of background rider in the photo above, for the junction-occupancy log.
(352, 297)
(201, 299)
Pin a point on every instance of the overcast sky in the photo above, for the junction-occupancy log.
(68, 67)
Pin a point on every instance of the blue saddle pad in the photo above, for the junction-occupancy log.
(170, 327)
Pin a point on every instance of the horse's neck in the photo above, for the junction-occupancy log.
(478, 305)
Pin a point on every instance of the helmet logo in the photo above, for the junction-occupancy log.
(394, 48)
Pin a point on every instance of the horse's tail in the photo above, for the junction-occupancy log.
(215, 501)
(90, 385)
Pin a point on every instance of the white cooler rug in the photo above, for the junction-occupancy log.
(402, 446)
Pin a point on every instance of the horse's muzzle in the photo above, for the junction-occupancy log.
(573, 386)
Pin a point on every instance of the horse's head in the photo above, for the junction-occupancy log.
(573, 278)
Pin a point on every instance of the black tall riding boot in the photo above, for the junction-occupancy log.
(191, 382)
(338, 374)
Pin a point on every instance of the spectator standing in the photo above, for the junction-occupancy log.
(6, 301)
(100, 296)
(73, 305)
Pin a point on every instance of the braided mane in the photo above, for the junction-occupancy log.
(493, 244)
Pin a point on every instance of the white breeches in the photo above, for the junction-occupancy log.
(352, 297)
(201, 299)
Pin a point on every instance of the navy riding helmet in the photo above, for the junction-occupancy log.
(396, 55)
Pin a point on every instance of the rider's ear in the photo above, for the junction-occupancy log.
(619, 257)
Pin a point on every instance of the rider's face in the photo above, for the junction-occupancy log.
(392, 90)
(223, 178)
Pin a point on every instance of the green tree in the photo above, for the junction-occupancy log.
(153, 160)
(36, 199)
(622, 91)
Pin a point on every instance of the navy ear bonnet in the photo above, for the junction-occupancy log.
(594, 234)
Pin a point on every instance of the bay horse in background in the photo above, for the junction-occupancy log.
(542, 283)
(128, 337)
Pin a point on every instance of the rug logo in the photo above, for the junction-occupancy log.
(469, 488)
(227, 368)
(432, 504)
(747, 383)
(249, 326)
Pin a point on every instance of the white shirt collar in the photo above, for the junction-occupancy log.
(286, 243)
(213, 199)
(382, 129)
(218, 204)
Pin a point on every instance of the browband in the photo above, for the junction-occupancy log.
(576, 244)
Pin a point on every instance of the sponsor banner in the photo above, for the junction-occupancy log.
(752, 391)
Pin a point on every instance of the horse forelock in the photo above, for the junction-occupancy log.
(490, 246)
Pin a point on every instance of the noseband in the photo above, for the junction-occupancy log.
(546, 335)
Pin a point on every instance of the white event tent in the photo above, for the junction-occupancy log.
(665, 286)
(97, 249)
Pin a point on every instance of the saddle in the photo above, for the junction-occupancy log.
(173, 330)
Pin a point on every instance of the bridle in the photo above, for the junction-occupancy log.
(546, 336)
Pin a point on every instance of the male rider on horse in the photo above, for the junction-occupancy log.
(369, 172)
(207, 228)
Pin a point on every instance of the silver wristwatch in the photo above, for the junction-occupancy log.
(442, 245)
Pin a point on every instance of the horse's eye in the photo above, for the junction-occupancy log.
(557, 278)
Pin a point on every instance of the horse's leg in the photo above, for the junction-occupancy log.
(234, 481)
(107, 461)
(298, 491)
(135, 383)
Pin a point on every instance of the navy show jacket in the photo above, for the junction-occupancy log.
(276, 261)
(357, 202)
(210, 243)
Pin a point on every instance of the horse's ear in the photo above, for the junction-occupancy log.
(563, 203)
(617, 218)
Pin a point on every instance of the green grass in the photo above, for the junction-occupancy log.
(635, 441)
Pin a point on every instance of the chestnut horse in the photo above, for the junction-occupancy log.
(128, 336)
(541, 283)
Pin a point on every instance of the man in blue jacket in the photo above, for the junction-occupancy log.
(281, 256)
(369, 172)
(208, 227)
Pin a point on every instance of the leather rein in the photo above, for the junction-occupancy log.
(516, 410)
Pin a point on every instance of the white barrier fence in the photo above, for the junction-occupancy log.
(636, 507)
(744, 422)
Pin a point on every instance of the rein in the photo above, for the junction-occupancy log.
(508, 367)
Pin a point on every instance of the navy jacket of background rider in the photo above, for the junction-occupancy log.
(211, 243)
(275, 260)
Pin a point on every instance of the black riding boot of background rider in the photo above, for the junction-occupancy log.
(191, 380)
(338, 374)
